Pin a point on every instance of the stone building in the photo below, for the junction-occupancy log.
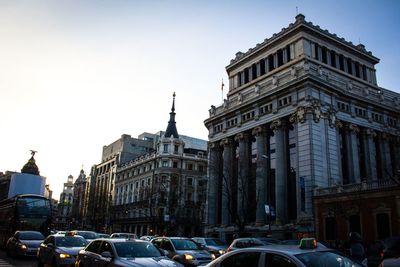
(79, 196)
(102, 178)
(63, 219)
(303, 112)
(163, 192)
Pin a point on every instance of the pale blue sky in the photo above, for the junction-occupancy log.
(76, 75)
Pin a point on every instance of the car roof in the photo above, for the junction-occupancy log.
(288, 249)
(119, 240)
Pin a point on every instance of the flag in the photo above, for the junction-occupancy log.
(222, 85)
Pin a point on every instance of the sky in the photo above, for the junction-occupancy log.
(76, 75)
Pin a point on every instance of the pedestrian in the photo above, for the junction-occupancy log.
(357, 250)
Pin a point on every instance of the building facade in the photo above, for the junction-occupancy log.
(79, 196)
(303, 112)
(63, 219)
(102, 178)
(163, 192)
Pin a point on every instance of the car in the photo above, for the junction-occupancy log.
(24, 243)
(124, 235)
(212, 245)
(121, 252)
(391, 252)
(60, 249)
(88, 235)
(307, 254)
(183, 250)
(245, 242)
(147, 237)
(102, 235)
(269, 240)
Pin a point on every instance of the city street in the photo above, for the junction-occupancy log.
(6, 261)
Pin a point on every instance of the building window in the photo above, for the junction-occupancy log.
(176, 148)
(354, 223)
(190, 166)
(165, 163)
(165, 148)
(190, 181)
(330, 228)
(175, 164)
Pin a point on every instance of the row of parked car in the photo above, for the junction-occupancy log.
(86, 248)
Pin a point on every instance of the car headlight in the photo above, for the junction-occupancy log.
(188, 257)
(221, 251)
(23, 246)
(213, 257)
(64, 256)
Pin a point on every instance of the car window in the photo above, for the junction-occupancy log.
(48, 240)
(326, 259)
(136, 250)
(105, 246)
(185, 244)
(245, 259)
(87, 235)
(31, 236)
(157, 242)
(214, 242)
(275, 260)
(70, 241)
(167, 245)
(93, 246)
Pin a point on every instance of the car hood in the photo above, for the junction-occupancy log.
(217, 247)
(151, 262)
(32, 243)
(71, 250)
(195, 253)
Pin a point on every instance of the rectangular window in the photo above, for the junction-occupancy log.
(165, 163)
(165, 148)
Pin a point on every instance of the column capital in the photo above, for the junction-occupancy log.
(259, 130)
(226, 142)
(352, 128)
(384, 136)
(278, 124)
(369, 132)
(299, 115)
(214, 145)
(242, 136)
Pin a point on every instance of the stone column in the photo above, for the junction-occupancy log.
(243, 173)
(353, 161)
(262, 172)
(386, 164)
(369, 153)
(281, 170)
(214, 182)
(227, 179)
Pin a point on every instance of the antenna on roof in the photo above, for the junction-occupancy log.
(297, 10)
(222, 89)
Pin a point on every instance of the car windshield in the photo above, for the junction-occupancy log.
(70, 241)
(136, 250)
(185, 244)
(87, 235)
(326, 259)
(214, 242)
(31, 236)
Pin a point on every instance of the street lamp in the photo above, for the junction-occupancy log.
(268, 174)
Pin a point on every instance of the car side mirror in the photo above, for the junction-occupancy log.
(50, 245)
(106, 254)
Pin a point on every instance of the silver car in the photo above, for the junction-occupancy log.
(116, 252)
(24, 243)
(183, 250)
(60, 250)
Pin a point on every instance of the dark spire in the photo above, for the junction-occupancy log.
(171, 129)
(31, 167)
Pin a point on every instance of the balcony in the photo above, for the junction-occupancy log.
(360, 187)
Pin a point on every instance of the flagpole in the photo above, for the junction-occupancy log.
(222, 90)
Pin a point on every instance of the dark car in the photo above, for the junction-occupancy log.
(183, 250)
(121, 252)
(24, 243)
(211, 244)
(60, 249)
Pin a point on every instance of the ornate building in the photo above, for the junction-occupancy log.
(79, 196)
(163, 192)
(102, 178)
(303, 112)
(63, 219)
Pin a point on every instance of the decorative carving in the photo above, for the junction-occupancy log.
(241, 137)
(298, 116)
(349, 86)
(353, 128)
(331, 115)
(257, 89)
(276, 124)
(320, 72)
(258, 131)
(370, 132)
(212, 110)
(366, 91)
(226, 142)
(225, 103)
(275, 80)
(306, 66)
(240, 97)
(338, 124)
(293, 71)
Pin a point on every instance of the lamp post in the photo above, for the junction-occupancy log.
(268, 174)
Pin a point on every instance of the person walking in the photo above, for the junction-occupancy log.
(357, 250)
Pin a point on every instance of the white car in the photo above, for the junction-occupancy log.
(307, 254)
